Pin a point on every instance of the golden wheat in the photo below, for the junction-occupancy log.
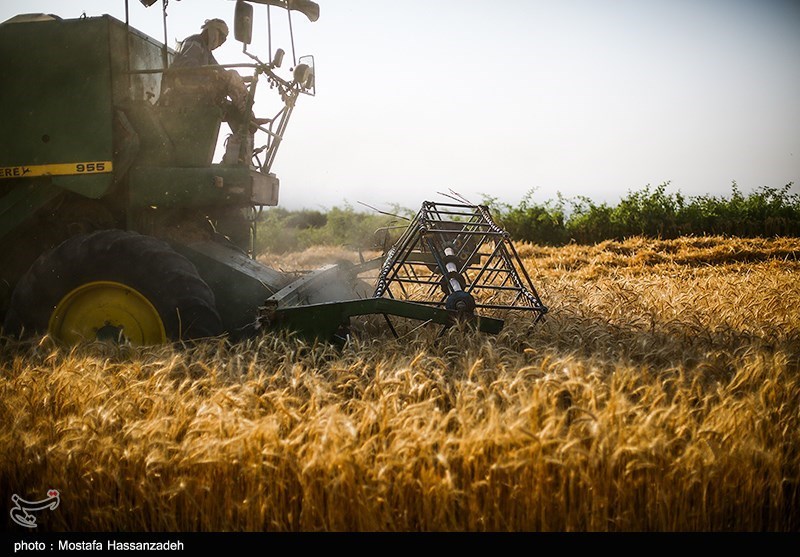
(661, 393)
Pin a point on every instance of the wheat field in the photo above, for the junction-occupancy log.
(661, 393)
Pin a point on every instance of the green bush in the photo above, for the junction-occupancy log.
(281, 231)
(544, 221)
(653, 213)
(650, 212)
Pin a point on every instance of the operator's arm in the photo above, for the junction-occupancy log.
(236, 90)
(193, 53)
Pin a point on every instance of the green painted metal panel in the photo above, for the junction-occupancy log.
(135, 61)
(21, 199)
(323, 321)
(332, 283)
(240, 284)
(195, 187)
(193, 131)
(184, 136)
(56, 97)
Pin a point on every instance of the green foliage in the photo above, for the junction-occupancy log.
(281, 231)
(532, 220)
(651, 212)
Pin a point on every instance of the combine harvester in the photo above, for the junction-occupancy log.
(116, 224)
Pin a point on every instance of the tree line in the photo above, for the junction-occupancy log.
(649, 212)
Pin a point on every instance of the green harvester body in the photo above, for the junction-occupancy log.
(85, 145)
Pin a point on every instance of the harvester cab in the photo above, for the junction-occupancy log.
(117, 224)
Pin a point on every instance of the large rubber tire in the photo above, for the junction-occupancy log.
(109, 281)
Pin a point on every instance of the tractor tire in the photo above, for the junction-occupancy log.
(113, 285)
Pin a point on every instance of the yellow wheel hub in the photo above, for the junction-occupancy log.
(106, 310)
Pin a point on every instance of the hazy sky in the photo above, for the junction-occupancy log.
(582, 97)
